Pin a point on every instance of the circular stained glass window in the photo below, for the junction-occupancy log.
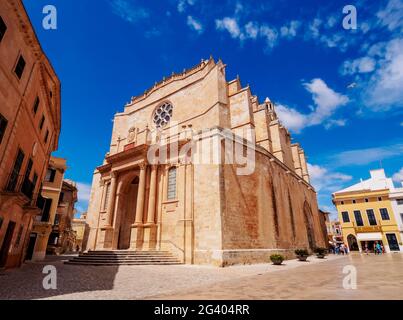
(163, 115)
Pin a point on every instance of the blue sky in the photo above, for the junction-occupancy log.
(340, 92)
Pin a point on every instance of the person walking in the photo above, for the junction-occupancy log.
(366, 248)
(378, 248)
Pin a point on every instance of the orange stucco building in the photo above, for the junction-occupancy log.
(29, 127)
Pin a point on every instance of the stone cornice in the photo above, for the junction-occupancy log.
(31, 40)
(174, 77)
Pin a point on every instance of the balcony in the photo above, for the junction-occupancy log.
(20, 187)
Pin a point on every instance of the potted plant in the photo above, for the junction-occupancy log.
(320, 252)
(302, 254)
(277, 259)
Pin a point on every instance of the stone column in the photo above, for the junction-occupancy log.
(111, 200)
(140, 195)
(150, 228)
(152, 196)
(137, 233)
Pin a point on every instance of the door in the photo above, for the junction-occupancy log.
(6, 243)
(392, 241)
(31, 246)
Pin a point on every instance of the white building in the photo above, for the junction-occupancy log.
(396, 198)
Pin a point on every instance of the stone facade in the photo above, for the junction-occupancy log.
(48, 202)
(81, 229)
(197, 204)
(29, 128)
(63, 237)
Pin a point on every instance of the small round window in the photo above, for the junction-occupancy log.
(163, 115)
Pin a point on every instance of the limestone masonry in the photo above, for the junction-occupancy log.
(198, 205)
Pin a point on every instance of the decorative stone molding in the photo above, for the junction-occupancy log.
(172, 78)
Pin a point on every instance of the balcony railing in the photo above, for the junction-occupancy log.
(19, 185)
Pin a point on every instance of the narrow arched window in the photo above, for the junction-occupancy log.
(171, 183)
(106, 199)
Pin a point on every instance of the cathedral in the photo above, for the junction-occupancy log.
(199, 167)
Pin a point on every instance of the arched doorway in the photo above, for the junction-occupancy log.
(127, 212)
(352, 243)
(309, 225)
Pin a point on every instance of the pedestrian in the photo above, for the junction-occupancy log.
(343, 249)
(366, 248)
(378, 248)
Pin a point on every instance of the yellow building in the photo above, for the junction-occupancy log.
(48, 203)
(81, 228)
(366, 215)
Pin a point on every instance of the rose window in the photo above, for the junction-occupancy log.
(163, 115)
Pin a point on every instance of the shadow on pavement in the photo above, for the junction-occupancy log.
(27, 282)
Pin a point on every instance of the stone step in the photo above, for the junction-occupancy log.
(126, 252)
(122, 263)
(127, 259)
(124, 257)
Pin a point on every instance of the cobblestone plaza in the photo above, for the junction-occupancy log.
(378, 277)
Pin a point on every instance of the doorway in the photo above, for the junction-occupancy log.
(6, 243)
(392, 241)
(128, 213)
(352, 243)
(31, 246)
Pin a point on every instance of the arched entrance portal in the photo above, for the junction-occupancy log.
(309, 225)
(127, 212)
(352, 243)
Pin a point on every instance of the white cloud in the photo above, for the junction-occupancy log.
(324, 180)
(365, 27)
(84, 191)
(291, 118)
(327, 101)
(331, 22)
(360, 65)
(335, 123)
(252, 30)
(194, 24)
(365, 156)
(270, 35)
(128, 11)
(314, 28)
(290, 30)
(384, 89)
(398, 176)
(392, 15)
(230, 25)
(183, 4)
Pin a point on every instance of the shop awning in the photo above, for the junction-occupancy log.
(369, 236)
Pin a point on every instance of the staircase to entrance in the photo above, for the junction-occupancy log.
(124, 257)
